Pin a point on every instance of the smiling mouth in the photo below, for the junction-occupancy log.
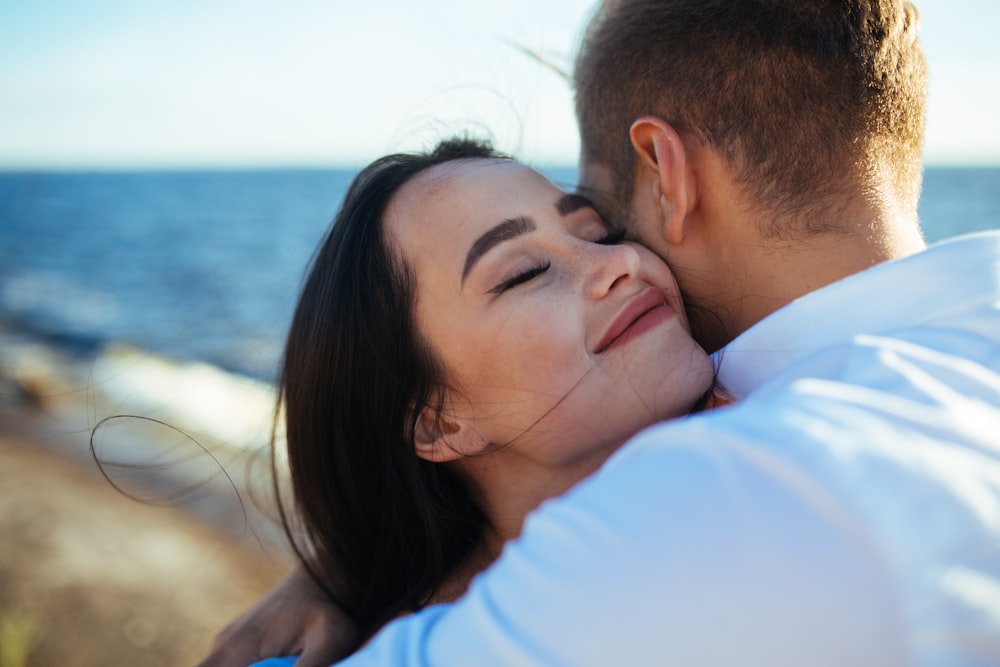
(640, 315)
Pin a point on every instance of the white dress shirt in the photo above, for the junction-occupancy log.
(845, 512)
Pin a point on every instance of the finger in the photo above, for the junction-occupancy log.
(226, 655)
(323, 647)
(316, 655)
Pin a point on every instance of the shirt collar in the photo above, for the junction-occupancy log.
(888, 296)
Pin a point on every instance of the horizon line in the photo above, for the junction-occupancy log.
(195, 166)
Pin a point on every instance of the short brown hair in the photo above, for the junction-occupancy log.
(791, 92)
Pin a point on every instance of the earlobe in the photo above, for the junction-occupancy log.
(662, 159)
(439, 439)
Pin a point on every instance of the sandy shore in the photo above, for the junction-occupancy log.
(90, 576)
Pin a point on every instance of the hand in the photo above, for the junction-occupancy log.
(294, 618)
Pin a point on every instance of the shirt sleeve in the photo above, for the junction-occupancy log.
(715, 554)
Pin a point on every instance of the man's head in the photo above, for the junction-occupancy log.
(802, 101)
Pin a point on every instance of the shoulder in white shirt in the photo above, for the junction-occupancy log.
(847, 511)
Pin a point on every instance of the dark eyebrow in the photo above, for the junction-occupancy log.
(505, 231)
(571, 202)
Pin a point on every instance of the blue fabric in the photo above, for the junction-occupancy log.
(288, 661)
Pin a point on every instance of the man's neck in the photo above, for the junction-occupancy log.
(770, 274)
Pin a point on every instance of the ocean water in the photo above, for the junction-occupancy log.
(206, 266)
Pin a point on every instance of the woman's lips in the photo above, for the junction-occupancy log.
(640, 315)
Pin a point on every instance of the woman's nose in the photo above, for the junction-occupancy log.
(610, 267)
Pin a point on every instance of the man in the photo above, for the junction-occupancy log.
(785, 138)
(847, 509)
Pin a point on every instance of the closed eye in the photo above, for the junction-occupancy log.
(613, 237)
(520, 278)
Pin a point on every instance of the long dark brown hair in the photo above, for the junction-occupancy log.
(380, 528)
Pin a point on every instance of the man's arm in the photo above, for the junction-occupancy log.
(701, 555)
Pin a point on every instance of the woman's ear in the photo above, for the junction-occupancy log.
(439, 439)
(664, 175)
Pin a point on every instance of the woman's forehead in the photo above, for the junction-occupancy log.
(467, 194)
(491, 179)
(437, 217)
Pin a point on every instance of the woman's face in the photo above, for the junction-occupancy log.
(554, 340)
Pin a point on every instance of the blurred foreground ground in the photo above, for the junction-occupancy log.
(90, 576)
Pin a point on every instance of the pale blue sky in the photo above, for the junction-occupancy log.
(151, 83)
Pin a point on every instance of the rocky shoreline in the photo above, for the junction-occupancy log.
(138, 561)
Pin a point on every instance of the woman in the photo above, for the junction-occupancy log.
(471, 340)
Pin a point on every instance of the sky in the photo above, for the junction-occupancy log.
(255, 83)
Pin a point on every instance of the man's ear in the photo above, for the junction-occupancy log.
(663, 169)
(439, 439)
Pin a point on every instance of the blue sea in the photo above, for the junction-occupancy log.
(206, 265)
